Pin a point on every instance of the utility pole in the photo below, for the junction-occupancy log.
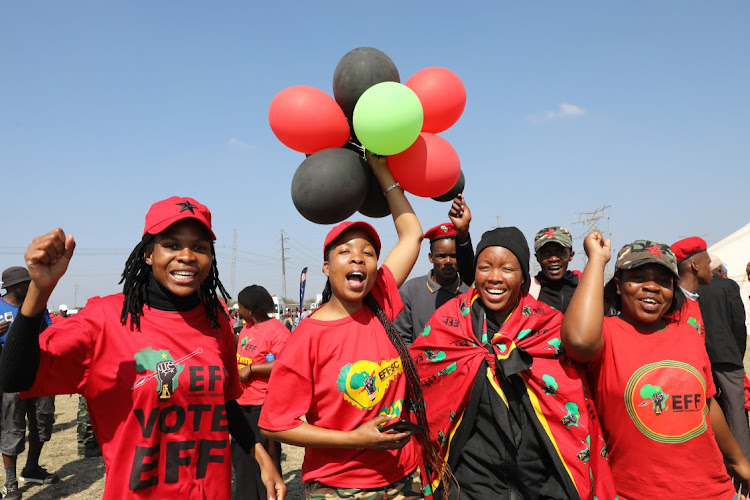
(283, 266)
(234, 263)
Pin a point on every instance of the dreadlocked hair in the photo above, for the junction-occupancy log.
(135, 277)
(208, 295)
(430, 454)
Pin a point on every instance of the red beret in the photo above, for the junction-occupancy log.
(345, 226)
(164, 213)
(446, 230)
(688, 247)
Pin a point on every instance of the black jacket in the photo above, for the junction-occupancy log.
(724, 320)
(558, 293)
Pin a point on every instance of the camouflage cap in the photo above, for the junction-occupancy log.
(554, 234)
(642, 252)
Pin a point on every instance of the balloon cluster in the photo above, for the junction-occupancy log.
(372, 110)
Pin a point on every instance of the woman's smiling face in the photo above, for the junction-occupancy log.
(181, 257)
(498, 279)
(646, 292)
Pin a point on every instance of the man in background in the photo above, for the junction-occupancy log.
(694, 266)
(726, 338)
(554, 284)
(40, 412)
(422, 296)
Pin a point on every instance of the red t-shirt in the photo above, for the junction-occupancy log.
(255, 343)
(156, 397)
(340, 374)
(651, 391)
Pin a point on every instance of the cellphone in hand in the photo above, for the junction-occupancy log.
(8, 316)
(402, 426)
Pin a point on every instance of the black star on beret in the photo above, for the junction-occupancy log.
(186, 205)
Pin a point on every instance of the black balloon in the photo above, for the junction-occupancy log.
(329, 186)
(375, 205)
(458, 188)
(359, 70)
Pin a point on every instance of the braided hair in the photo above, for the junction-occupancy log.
(135, 277)
(430, 454)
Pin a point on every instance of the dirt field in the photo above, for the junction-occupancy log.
(83, 478)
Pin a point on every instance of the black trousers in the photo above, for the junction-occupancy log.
(247, 483)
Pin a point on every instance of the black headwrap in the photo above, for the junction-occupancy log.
(513, 239)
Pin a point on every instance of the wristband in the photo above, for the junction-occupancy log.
(391, 188)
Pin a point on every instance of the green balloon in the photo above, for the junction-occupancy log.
(388, 118)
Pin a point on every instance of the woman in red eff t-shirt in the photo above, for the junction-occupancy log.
(258, 344)
(651, 378)
(156, 363)
(347, 371)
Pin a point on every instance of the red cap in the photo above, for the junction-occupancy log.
(688, 247)
(164, 213)
(446, 230)
(345, 226)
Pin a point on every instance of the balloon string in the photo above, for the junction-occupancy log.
(358, 147)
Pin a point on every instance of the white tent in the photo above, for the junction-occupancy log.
(734, 252)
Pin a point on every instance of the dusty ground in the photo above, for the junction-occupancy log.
(83, 478)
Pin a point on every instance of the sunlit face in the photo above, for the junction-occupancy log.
(703, 263)
(180, 257)
(352, 266)
(498, 279)
(554, 259)
(646, 293)
(443, 259)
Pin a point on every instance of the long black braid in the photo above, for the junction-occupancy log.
(136, 276)
(430, 454)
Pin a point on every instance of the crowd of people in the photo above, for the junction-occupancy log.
(475, 380)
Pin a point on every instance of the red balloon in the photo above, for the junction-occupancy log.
(307, 119)
(443, 97)
(430, 167)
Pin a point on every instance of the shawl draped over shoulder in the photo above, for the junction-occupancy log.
(449, 356)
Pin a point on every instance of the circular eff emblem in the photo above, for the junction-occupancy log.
(364, 382)
(667, 401)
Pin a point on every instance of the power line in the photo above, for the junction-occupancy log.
(304, 252)
(256, 254)
(592, 221)
(79, 251)
(263, 260)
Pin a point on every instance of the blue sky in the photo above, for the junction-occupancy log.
(107, 107)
